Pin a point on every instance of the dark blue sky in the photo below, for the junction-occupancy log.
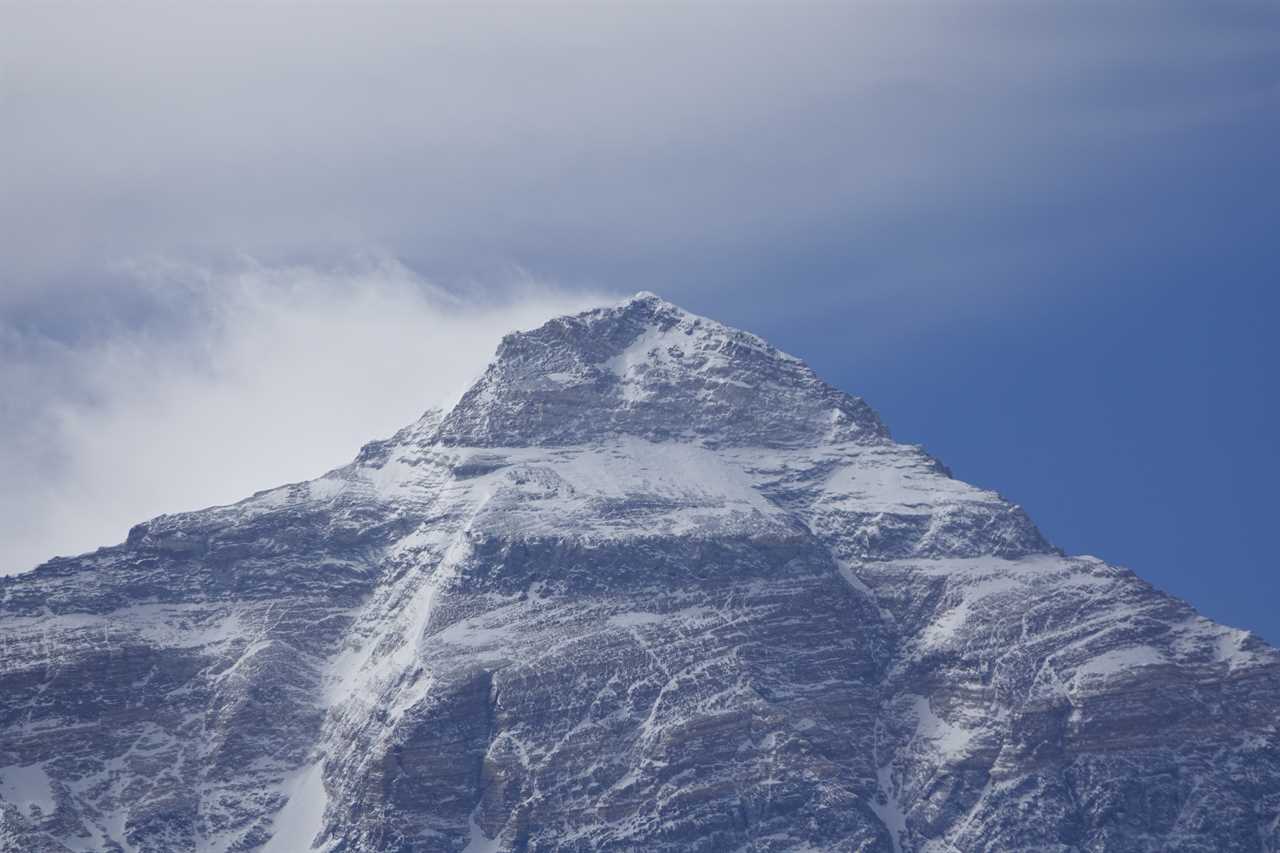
(1039, 238)
(1137, 426)
(1125, 389)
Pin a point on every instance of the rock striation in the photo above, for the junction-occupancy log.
(650, 585)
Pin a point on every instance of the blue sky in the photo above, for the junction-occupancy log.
(1039, 238)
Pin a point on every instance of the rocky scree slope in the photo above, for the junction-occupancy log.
(651, 584)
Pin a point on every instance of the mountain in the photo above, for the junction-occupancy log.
(650, 585)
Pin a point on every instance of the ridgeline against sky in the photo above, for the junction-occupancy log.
(1040, 237)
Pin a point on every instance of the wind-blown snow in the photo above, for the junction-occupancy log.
(302, 818)
(949, 739)
(1121, 660)
(27, 787)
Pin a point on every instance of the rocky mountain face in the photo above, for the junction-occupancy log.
(651, 585)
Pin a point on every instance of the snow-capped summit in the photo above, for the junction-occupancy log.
(650, 585)
(649, 369)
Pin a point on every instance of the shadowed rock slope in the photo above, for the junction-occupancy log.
(651, 585)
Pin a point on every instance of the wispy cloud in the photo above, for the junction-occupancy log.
(275, 375)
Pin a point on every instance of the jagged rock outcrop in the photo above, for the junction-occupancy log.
(650, 585)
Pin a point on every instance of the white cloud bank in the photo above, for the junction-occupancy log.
(281, 374)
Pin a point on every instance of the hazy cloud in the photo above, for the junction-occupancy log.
(276, 375)
(592, 142)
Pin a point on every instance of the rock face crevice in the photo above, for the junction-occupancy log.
(651, 584)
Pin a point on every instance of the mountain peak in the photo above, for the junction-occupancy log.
(649, 573)
(648, 304)
(645, 296)
(646, 367)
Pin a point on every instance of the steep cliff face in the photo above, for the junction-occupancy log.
(651, 584)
